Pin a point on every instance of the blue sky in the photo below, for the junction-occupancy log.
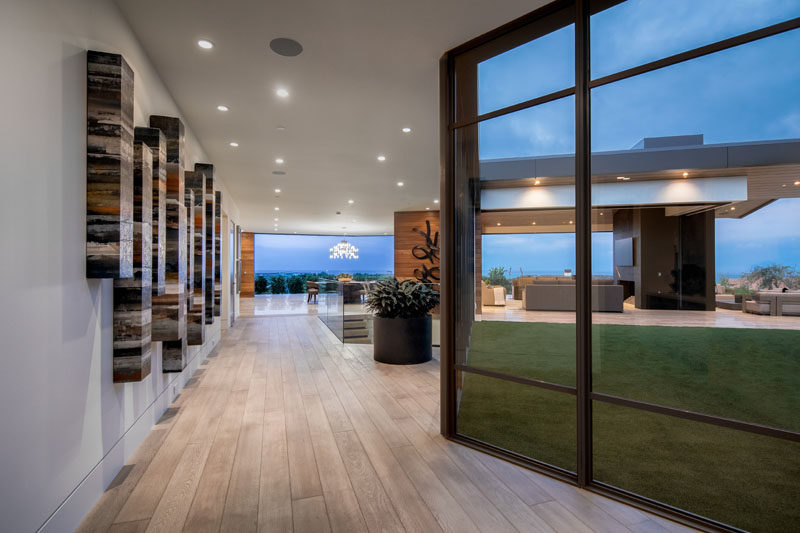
(747, 93)
(309, 253)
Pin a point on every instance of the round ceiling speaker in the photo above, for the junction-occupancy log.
(285, 47)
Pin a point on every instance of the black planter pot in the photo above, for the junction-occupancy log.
(402, 341)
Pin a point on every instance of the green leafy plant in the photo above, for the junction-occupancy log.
(296, 284)
(773, 276)
(497, 276)
(401, 299)
(277, 284)
(261, 284)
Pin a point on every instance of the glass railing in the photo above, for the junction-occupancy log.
(342, 307)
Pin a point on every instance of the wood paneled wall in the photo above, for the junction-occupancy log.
(248, 266)
(406, 239)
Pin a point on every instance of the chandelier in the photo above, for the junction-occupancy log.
(344, 250)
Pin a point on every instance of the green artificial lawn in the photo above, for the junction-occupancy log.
(747, 480)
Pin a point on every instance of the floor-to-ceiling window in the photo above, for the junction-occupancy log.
(666, 369)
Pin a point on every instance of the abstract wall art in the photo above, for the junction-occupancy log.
(132, 296)
(195, 322)
(109, 166)
(189, 202)
(154, 138)
(208, 170)
(217, 253)
(169, 309)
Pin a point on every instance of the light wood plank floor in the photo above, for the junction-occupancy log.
(287, 429)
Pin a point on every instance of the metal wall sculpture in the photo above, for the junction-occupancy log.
(208, 170)
(428, 251)
(169, 309)
(217, 253)
(157, 143)
(196, 184)
(132, 296)
(109, 166)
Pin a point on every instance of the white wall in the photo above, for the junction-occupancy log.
(66, 427)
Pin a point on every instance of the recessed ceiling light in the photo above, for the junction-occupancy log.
(498, 223)
(427, 209)
(283, 93)
(623, 178)
(400, 183)
(277, 191)
(351, 201)
(533, 223)
(222, 108)
(436, 201)
(685, 174)
(381, 158)
(286, 47)
(537, 182)
(205, 44)
(797, 182)
(406, 130)
(234, 144)
(277, 209)
(570, 222)
(275, 219)
(733, 208)
(601, 213)
(279, 160)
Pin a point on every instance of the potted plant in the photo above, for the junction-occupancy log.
(402, 323)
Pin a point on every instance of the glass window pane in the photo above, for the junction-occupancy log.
(696, 171)
(747, 93)
(639, 31)
(536, 68)
(527, 420)
(545, 130)
(742, 479)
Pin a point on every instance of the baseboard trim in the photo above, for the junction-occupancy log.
(78, 503)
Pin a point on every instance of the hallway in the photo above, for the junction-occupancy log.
(284, 428)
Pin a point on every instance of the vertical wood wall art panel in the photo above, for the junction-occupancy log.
(132, 296)
(189, 203)
(416, 245)
(196, 183)
(154, 139)
(109, 166)
(217, 253)
(169, 310)
(247, 288)
(208, 170)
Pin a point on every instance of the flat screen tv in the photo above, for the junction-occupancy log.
(623, 252)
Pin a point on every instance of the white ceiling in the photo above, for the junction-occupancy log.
(368, 69)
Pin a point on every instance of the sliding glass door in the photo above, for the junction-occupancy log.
(621, 244)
